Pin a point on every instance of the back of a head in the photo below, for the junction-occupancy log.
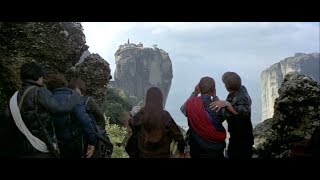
(153, 115)
(207, 85)
(55, 81)
(77, 83)
(154, 99)
(32, 71)
(232, 81)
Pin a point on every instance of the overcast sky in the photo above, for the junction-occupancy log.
(200, 49)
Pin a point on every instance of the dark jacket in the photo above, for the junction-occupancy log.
(217, 117)
(67, 125)
(137, 149)
(99, 125)
(240, 126)
(37, 105)
(94, 111)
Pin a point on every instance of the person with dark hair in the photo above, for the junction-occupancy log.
(153, 130)
(105, 147)
(237, 111)
(32, 71)
(206, 135)
(71, 127)
(30, 108)
(91, 106)
(55, 81)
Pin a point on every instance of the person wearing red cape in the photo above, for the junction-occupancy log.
(206, 135)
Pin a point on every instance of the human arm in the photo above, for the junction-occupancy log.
(193, 94)
(132, 143)
(97, 113)
(175, 134)
(240, 108)
(217, 105)
(85, 123)
(46, 99)
(243, 106)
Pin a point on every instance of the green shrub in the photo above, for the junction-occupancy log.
(116, 104)
(117, 135)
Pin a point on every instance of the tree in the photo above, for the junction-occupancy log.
(117, 103)
(114, 111)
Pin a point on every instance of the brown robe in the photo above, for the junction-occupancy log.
(137, 149)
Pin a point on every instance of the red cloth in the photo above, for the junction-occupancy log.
(198, 119)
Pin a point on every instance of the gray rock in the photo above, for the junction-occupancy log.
(295, 118)
(139, 68)
(83, 56)
(56, 45)
(271, 78)
(95, 71)
(43, 42)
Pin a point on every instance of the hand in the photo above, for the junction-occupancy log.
(90, 151)
(197, 89)
(217, 105)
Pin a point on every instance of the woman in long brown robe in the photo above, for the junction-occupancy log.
(153, 130)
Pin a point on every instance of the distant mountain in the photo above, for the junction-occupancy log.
(138, 68)
(272, 77)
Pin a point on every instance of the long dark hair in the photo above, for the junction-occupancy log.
(152, 119)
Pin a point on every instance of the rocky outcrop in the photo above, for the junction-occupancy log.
(95, 71)
(83, 56)
(57, 46)
(271, 78)
(296, 116)
(138, 68)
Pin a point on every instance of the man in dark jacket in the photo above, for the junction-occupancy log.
(205, 145)
(70, 127)
(104, 145)
(98, 121)
(35, 103)
(237, 111)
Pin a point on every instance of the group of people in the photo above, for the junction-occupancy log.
(153, 129)
(56, 120)
(59, 120)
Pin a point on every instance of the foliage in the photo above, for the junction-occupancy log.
(116, 104)
(117, 135)
(114, 111)
(3, 99)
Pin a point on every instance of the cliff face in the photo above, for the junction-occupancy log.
(139, 68)
(95, 71)
(271, 78)
(296, 116)
(56, 45)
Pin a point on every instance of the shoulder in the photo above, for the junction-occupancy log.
(241, 98)
(215, 98)
(43, 91)
(167, 117)
(136, 119)
(167, 114)
(244, 92)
